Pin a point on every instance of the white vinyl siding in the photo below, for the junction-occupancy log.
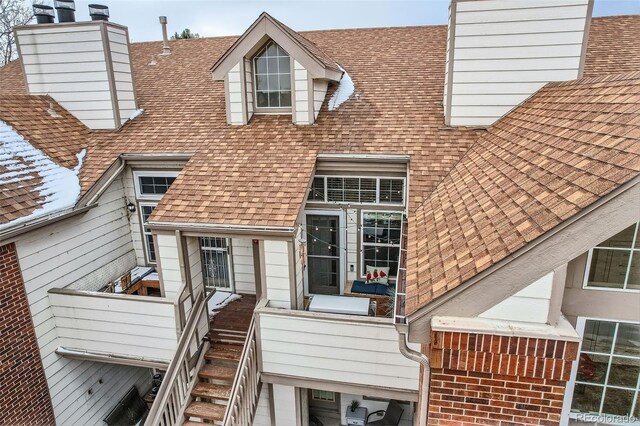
(235, 96)
(243, 268)
(284, 405)
(278, 281)
(319, 92)
(101, 250)
(301, 86)
(307, 346)
(505, 50)
(167, 252)
(263, 409)
(530, 304)
(69, 63)
(130, 326)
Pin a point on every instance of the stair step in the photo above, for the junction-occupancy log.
(217, 372)
(226, 331)
(190, 423)
(212, 391)
(225, 352)
(206, 411)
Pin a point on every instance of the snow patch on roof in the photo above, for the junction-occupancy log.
(343, 92)
(137, 113)
(59, 187)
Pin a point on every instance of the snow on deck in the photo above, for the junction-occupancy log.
(24, 167)
(219, 300)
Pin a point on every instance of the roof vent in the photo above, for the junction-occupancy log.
(43, 13)
(66, 10)
(99, 12)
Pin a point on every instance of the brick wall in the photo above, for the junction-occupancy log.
(24, 395)
(480, 379)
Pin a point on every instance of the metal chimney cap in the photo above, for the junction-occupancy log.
(65, 4)
(98, 12)
(163, 20)
(44, 14)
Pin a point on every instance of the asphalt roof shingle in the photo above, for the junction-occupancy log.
(561, 150)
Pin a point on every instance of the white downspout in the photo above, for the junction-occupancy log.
(423, 360)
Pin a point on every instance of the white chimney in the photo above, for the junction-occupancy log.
(85, 66)
(501, 52)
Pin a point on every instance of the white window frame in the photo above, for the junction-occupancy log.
(148, 200)
(276, 110)
(137, 174)
(570, 387)
(633, 250)
(342, 233)
(362, 272)
(377, 179)
(232, 286)
(144, 233)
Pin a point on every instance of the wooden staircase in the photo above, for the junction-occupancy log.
(211, 394)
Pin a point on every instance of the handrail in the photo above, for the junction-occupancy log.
(246, 384)
(175, 392)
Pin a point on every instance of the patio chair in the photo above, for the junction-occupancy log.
(391, 416)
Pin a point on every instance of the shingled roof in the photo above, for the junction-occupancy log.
(257, 175)
(40, 148)
(564, 148)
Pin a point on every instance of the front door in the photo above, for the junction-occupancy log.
(324, 253)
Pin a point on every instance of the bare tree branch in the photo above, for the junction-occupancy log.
(12, 13)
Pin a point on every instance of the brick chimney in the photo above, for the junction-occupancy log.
(501, 52)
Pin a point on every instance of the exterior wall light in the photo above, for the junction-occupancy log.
(131, 207)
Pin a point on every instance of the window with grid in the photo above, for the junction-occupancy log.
(608, 373)
(357, 190)
(320, 395)
(615, 263)
(155, 185)
(215, 262)
(145, 211)
(381, 240)
(272, 77)
(354, 190)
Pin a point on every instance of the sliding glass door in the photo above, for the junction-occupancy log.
(325, 253)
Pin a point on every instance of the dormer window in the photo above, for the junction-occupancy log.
(272, 67)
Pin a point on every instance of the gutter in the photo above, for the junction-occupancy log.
(111, 358)
(423, 360)
(282, 231)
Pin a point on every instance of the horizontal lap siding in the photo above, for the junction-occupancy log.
(335, 350)
(301, 93)
(87, 252)
(276, 260)
(234, 82)
(243, 269)
(263, 409)
(319, 92)
(530, 304)
(167, 252)
(119, 47)
(53, 57)
(122, 335)
(506, 50)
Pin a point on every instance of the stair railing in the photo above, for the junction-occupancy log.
(182, 375)
(246, 384)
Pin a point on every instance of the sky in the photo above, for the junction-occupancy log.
(224, 17)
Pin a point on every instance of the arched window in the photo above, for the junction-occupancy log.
(272, 77)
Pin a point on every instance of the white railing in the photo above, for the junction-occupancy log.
(246, 385)
(182, 375)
